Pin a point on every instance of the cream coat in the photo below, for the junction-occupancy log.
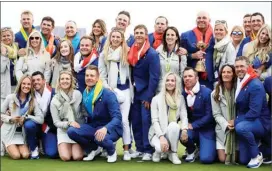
(159, 116)
(175, 66)
(8, 129)
(5, 78)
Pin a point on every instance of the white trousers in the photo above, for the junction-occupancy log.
(172, 136)
(124, 108)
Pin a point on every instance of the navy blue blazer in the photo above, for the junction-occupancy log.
(146, 76)
(200, 116)
(189, 42)
(107, 113)
(251, 102)
(151, 39)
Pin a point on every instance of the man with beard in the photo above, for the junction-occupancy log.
(49, 40)
(44, 95)
(199, 43)
(85, 57)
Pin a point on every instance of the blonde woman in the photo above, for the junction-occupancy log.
(22, 121)
(237, 35)
(115, 75)
(62, 61)
(166, 109)
(36, 59)
(65, 112)
(259, 52)
(224, 52)
(7, 41)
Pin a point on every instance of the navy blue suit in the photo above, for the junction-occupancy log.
(189, 42)
(203, 133)
(145, 78)
(250, 104)
(106, 113)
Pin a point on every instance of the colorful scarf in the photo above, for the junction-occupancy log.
(87, 60)
(137, 52)
(25, 35)
(75, 41)
(157, 40)
(50, 45)
(207, 36)
(90, 97)
(191, 95)
(12, 50)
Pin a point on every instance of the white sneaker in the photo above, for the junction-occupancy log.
(112, 158)
(256, 162)
(35, 154)
(173, 157)
(98, 151)
(131, 151)
(104, 153)
(156, 157)
(164, 156)
(126, 156)
(147, 157)
(90, 156)
(136, 154)
(191, 157)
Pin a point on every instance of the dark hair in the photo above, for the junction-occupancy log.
(257, 13)
(125, 13)
(47, 18)
(164, 37)
(102, 25)
(162, 17)
(221, 83)
(190, 68)
(242, 58)
(93, 67)
(247, 15)
(38, 73)
(140, 26)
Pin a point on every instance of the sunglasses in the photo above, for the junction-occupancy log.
(237, 33)
(5, 28)
(36, 38)
(220, 21)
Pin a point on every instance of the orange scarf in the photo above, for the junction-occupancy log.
(87, 60)
(50, 46)
(252, 74)
(252, 36)
(134, 52)
(158, 40)
(199, 35)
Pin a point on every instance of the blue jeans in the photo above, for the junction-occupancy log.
(85, 136)
(141, 122)
(248, 132)
(206, 141)
(50, 144)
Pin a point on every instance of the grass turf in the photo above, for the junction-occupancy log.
(100, 164)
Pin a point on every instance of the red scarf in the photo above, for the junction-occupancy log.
(134, 50)
(50, 46)
(199, 35)
(252, 74)
(158, 40)
(87, 59)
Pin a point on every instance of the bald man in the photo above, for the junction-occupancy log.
(190, 41)
(72, 34)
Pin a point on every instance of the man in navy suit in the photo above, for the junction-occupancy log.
(251, 105)
(104, 120)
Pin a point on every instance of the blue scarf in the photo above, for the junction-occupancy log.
(75, 42)
(89, 98)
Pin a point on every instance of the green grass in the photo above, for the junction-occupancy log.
(100, 164)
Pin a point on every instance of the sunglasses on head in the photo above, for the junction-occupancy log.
(36, 38)
(220, 21)
(5, 28)
(237, 33)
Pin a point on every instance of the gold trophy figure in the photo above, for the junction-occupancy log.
(200, 65)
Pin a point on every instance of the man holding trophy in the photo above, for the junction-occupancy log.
(199, 43)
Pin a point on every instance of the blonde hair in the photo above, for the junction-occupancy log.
(18, 91)
(26, 12)
(256, 50)
(124, 52)
(73, 81)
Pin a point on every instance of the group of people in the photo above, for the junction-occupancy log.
(76, 96)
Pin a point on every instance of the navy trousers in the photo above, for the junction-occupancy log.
(141, 122)
(50, 144)
(85, 137)
(205, 139)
